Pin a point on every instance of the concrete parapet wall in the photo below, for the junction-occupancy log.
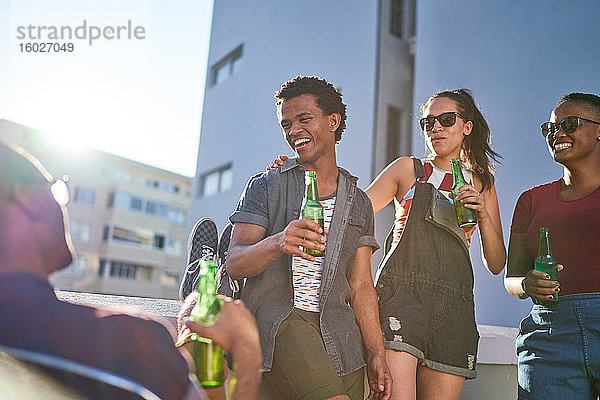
(496, 359)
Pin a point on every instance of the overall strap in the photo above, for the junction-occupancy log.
(419, 170)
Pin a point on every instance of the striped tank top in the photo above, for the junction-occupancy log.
(441, 180)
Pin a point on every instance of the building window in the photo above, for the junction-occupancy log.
(226, 67)
(412, 18)
(110, 202)
(84, 196)
(145, 272)
(80, 230)
(101, 267)
(137, 237)
(120, 200)
(158, 242)
(226, 180)
(122, 270)
(402, 18)
(162, 210)
(397, 18)
(126, 201)
(211, 183)
(136, 203)
(121, 175)
(151, 207)
(393, 133)
(162, 185)
(176, 217)
(168, 279)
(216, 181)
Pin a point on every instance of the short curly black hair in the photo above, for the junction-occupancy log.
(329, 99)
(589, 100)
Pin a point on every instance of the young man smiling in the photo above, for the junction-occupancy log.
(317, 317)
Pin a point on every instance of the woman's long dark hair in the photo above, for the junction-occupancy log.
(475, 148)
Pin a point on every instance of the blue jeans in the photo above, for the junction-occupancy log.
(559, 350)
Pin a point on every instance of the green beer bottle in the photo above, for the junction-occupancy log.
(311, 207)
(465, 216)
(546, 263)
(208, 357)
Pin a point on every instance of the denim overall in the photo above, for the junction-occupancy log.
(425, 286)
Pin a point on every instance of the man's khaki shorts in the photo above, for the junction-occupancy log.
(301, 367)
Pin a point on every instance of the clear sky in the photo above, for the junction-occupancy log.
(137, 98)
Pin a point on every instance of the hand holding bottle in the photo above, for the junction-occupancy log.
(465, 216)
(235, 330)
(299, 235)
(539, 286)
(235, 327)
(473, 199)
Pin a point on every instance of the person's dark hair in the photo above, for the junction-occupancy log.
(475, 148)
(328, 98)
(591, 101)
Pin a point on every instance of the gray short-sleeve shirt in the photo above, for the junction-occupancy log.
(272, 200)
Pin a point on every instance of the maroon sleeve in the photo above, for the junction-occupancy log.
(143, 350)
(522, 214)
(161, 367)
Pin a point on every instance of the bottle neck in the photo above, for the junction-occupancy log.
(207, 273)
(545, 248)
(311, 193)
(457, 175)
(207, 307)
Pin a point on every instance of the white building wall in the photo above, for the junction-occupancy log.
(334, 39)
(519, 58)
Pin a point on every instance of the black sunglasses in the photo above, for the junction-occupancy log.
(446, 119)
(568, 125)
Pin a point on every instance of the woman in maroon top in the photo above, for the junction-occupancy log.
(558, 346)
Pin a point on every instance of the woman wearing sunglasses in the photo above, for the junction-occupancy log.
(425, 281)
(558, 346)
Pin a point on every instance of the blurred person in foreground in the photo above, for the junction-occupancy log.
(558, 346)
(35, 242)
